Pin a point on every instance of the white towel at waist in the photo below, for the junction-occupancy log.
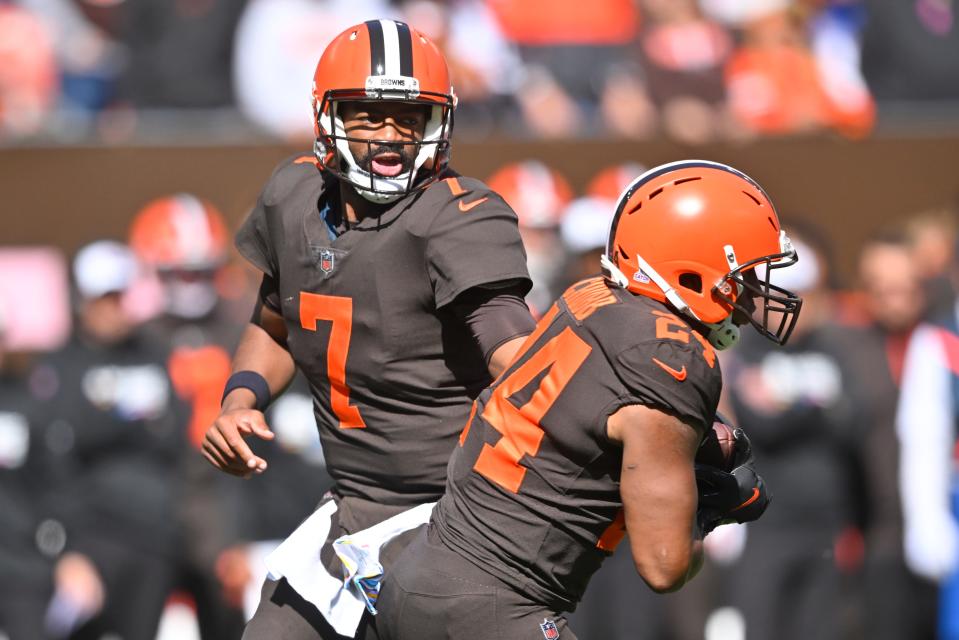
(341, 599)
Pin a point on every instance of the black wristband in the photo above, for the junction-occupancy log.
(254, 382)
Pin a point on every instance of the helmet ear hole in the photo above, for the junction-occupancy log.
(691, 281)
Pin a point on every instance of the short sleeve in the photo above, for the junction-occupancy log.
(253, 241)
(673, 376)
(257, 238)
(474, 241)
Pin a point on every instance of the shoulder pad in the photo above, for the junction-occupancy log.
(455, 196)
(288, 174)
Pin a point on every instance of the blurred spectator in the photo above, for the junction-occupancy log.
(538, 195)
(28, 72)
(775, 86)
(184, 240)
(576, 58)
(25, 480)
(610, 182)
(926, 425)
(910, 50)
(835, 33)
(683, 55)
(794, 404)
(735, 13)
(892, 303)
(120, 437)
(278, 43)
(932, 237)
(485, 68)
(585, 222)
(89, 61)
(180, 53)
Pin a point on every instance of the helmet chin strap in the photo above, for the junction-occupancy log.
(374, 197)
(721, 336)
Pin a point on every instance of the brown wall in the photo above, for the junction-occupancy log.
(69, 196)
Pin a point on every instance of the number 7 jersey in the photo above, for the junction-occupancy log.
(532, 492)
(392, 370)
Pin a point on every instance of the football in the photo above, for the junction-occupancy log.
(718, 446)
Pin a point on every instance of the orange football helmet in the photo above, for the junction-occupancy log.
(180, 232)
(382, 60)
(692, 233)
(537, 193)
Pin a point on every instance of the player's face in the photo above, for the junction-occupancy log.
(383, 135)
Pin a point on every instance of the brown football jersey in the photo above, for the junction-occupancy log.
(392, 371)
(533, 489)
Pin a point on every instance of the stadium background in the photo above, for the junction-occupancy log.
(846, 111)
(833, 182)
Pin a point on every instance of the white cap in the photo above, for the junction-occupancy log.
(585, 224)
(104, 267)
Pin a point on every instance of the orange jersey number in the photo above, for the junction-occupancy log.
(670, 327)
(339, 311)
(522, 433)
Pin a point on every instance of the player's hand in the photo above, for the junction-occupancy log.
(736, 496)
(225, 447)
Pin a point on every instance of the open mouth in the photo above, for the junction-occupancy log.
(389, 164)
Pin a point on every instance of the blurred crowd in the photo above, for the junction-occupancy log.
(112, 364)
(691, 70)
(109, 516)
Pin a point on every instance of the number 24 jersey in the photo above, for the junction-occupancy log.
(533, 489)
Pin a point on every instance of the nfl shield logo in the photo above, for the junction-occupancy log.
(327, 261)
(550, 632)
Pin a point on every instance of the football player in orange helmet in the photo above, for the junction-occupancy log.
(593, 430)
(372, 63)
(184, 239)
(396, 286)
(688, 234)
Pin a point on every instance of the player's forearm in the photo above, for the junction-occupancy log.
(258, 351)
(666, 555)
(658, 490)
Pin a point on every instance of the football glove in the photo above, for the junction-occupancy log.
(736, 496)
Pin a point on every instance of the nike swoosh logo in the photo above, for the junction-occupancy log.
(751, 500)
(679, 375)
(466, 206)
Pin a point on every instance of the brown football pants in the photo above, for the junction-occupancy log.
(432, 593)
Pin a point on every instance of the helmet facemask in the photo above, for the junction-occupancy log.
(430, 154)
(754, 280)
